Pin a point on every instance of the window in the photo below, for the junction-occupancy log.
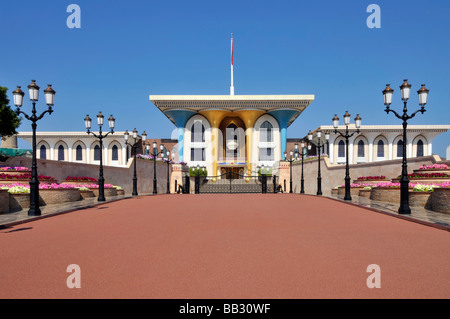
(198, 155)
(115, 153)
(266, 132)
(361, 152)
(341, 148)
(266, 154)
(61, 153)
(266, 136)
(197, 132)
(400, 148)
(97, 153)
(79, 153)
(380, 149)
(43, 152)
(419, 148)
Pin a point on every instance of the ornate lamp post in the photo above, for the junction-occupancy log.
(198, 172)
(347, 135)
(134, 146)
(405, 89)
(155, 154)
(302, 181)
(100, 136)
(319, 177)
(290, 160)
(169, 161)
(18, 94)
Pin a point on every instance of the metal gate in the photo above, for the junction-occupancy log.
(232, 182)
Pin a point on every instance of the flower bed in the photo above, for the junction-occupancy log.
(59, 195)
(8, 178)
(427, 175)
(85, 192)
(48, 194)
(434, 167)
(120, 191)
(14, 169)
(355, 188)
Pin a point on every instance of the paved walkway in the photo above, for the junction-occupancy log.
(224, 246)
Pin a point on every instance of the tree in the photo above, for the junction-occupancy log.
(9, 120)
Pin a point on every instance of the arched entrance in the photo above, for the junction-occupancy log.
(233, 148)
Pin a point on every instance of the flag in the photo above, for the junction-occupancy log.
(232, 49)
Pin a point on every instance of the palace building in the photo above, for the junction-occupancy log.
(232, 132)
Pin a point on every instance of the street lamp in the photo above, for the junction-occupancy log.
(197, 173)
(100, 136)
(302, 181)
(169, 161)
(134, 146)
(155, 154)
(347, 135)
(319, 177)
(405, 90)
(290, 160)
(33, 91)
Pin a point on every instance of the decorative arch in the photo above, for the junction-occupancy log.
(360, 149)
(397, 147)
(94, 150)
(43, 150)
(61, 151)
(267, 140)
(339, 150)
(198, 151)
(420, 149)
(380, 148)
(79, 152)
(115, 153)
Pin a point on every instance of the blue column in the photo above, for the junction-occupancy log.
(284, 117)
(180, 143)
(283, 135)
(180, 118)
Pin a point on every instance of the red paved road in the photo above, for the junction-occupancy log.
(224, 246)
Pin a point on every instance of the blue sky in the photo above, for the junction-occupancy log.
(127, 50)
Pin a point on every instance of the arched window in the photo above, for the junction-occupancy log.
(60, 153)
(79, 153)
(266, 132)
(197, 132)
(115, 153)
(400, 148)
(419, 148)
(361, 152)
(43, 152)
(341, 148)
(96, 153)
(380, 148)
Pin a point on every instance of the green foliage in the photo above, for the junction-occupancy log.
(9, 121)
(193, 171)
(267, 172)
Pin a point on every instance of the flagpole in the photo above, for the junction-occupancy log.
(232, 68)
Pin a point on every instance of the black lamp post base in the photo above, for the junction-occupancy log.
(404, 210)
(34, 212)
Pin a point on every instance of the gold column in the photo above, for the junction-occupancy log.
(249, 117)
(215, 117)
